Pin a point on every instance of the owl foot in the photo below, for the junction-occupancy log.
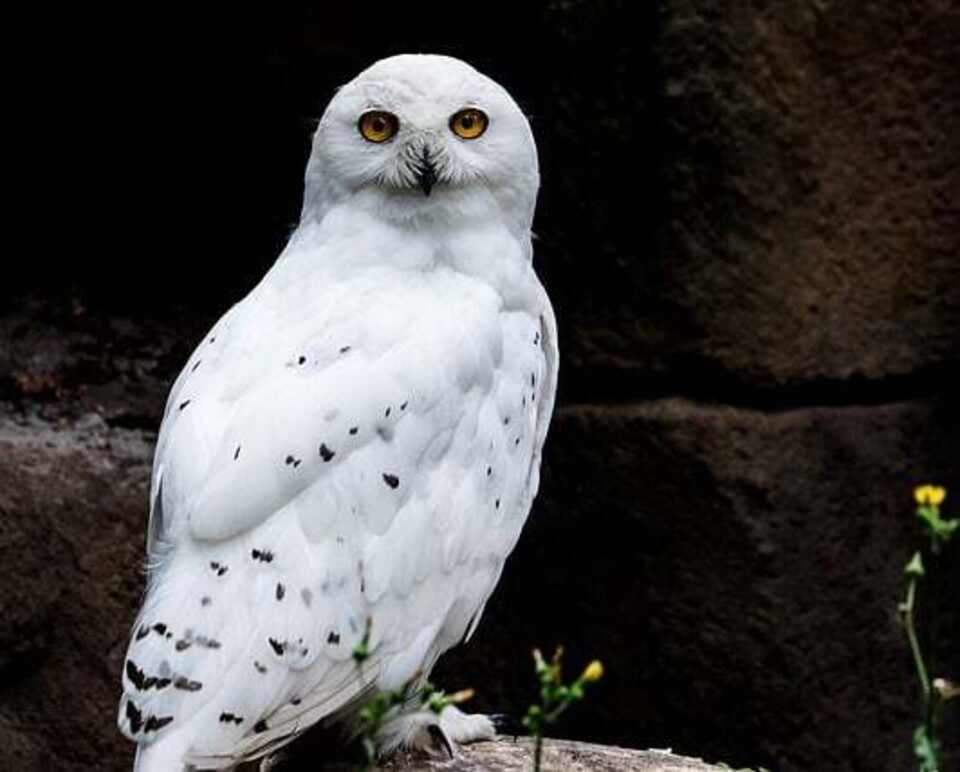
(504, 723)
(432, 734)
(466, 728)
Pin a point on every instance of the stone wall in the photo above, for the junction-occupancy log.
(750, 225)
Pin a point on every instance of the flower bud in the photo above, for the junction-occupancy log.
(594, 672)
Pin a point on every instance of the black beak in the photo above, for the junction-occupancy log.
(426, 173)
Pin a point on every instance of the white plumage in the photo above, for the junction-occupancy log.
(359, 438)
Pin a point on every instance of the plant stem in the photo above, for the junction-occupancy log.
(915, 645)
(537, 749)
(932, 607)
(922, 673)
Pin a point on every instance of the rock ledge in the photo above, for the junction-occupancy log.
(509, 755)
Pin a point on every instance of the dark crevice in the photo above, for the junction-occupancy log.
(711, 385)
(148, 423)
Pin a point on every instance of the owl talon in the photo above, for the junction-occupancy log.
(440, 739)
(504, 723)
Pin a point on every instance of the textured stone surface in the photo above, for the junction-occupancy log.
(71, 533)
(793, 210)
(507, 755)
(755, 575)
(742, 597)
(749, 222)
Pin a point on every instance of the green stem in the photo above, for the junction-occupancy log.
(922, 673)
(932, 605)
(537, 749)
(915, 645)
(553, 716)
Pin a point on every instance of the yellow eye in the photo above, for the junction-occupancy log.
(469, 123)
(378, 125)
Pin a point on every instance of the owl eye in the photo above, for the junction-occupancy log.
(469, 123)
(378, 125)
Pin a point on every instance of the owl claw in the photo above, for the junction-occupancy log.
(504, 723)
(440, 738)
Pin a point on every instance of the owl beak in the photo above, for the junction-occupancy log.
(426, 172)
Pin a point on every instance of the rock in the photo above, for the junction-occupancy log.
(738, 573)
(784, 210)
(72, 517)
(750, 224)
(516, 755)
(507, 755)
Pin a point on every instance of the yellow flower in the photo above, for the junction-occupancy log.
(932, 495)
(594, 672)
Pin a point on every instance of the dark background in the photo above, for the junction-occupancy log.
(749, 225)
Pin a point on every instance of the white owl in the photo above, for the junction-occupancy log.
(358, 439)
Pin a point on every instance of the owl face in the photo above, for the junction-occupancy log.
(415, 133)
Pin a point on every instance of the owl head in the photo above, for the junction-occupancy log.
(421, 136)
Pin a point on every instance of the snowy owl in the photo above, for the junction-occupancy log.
(354, 447)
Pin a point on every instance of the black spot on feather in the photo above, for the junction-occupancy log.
(135, 674)
(260, 726)
(134, 716)
(325, 453)
(236, 453)
(260, 668)
(301, 360)
(143, 632)
(281, 591)
(142, 681)
(156, 722)
(160, 628)
(226, 718)
(354, 429)
(184, 404)
(264, 556)
(277, 647)
(196, 365)
(219, 568)
(403, 406)
(334, 638)
(185, 684)
(391, 479)
(344, 349)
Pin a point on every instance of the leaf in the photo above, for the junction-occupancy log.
(945, 528)
(925, 750)
(915, 566)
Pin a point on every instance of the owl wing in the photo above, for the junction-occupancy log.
(373, 448)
